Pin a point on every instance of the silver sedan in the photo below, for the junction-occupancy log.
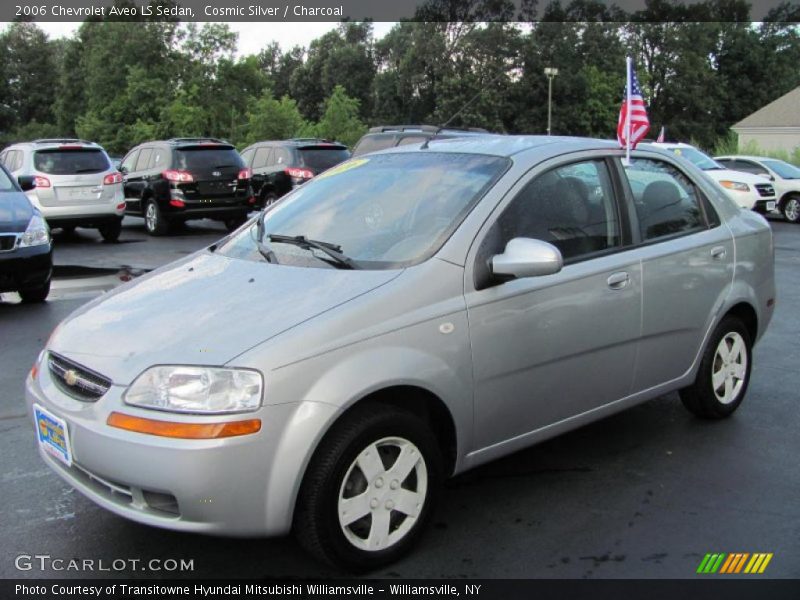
(403, 317)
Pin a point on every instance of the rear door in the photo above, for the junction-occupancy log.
(74, 176)
(687, 266)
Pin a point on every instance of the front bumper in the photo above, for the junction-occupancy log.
(26, 268)
(244, 486)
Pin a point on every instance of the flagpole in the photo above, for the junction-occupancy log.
(628, 111)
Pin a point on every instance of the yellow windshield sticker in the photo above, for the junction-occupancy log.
(343, 167)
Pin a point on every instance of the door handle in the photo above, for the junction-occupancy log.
(718, 252)
(617, 281)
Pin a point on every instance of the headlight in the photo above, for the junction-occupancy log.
(735, 186)
(187, 389)
(37, 233)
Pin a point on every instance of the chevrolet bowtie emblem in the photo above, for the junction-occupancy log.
(70, 377)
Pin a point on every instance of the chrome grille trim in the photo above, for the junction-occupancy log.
(86, 385)
(765, 189)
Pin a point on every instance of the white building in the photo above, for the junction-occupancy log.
(776, 126)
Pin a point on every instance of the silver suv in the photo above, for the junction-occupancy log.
(430, 308)
(75, 184)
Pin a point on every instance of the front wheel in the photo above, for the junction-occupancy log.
(36, 294)
(234, 223)
(791, 209)
(724, 372)
(369, 489)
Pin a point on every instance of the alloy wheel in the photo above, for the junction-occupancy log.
(730, 367)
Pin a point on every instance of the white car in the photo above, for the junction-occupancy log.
(748, 191)
(785, 178)
(71, 182)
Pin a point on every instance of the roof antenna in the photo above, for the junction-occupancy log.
(459, 111)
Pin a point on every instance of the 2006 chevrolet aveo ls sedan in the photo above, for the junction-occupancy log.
(420, 311)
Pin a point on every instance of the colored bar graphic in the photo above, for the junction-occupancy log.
(703, 563)
(740, 564)
(764, 564)
(717, 564)
(735, 563)
(728, 564)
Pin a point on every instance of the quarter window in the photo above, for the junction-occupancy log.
(571, 207)
(666, 201)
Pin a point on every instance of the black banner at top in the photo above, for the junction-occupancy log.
(276, 11)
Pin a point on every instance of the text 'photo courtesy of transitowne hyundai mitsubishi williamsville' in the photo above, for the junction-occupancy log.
(431, 307)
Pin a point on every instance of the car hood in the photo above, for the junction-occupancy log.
(15, 212)
(205, 309)
(729, 175)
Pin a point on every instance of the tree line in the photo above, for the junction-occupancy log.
(702, 67)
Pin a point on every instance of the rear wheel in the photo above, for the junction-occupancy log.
(110, 231)
(35, 294)
(724, 372)
(154, 220)
(268, 199)
(791, 209)
(369, 489)
(234, 223)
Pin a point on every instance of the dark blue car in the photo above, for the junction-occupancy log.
(26, 249)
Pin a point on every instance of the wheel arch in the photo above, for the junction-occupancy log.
(745, 312)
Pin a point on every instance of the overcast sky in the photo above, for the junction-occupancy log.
(252, 36)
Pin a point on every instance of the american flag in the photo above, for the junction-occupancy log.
(640, 124)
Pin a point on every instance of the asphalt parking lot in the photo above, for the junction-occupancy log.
(644, 494)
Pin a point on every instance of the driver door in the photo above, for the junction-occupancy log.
(548, 348)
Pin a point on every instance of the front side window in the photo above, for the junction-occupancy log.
(262, 157)
(383, 212)
(666, 200)
(129, 163)
(571, 207)
(783, 169)
(63, 161)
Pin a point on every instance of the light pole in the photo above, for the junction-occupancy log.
(550, 72)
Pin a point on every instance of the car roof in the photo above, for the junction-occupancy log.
(46, 143)
(506, 145)
(747, 157)
(300, 143)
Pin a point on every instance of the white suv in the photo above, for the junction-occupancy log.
(748, 191)
(785, 178)
(74, 183)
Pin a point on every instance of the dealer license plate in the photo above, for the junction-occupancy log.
(770, 206)
(52, 434)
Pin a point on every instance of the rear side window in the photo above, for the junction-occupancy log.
(159, 159)
(207, 158)
(666, 201)
(281, 156)
(323, 158)
(373, 143)
(262, 157)
(144, 159)
(60, 161)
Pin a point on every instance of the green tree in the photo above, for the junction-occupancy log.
(271, 119)
(340, 120)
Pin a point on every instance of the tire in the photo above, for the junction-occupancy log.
(68, 230)
(154, 221)
(268, 199)
(35, 295)
(791, 209)
(234, 223)
(333, 477)
(703, 397)
(111, 231)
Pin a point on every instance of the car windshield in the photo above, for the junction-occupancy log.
(322, 158)
(701, 160)
(209, 157)
(6, 185)
(61, 161)
(783, 169)
(385, 211)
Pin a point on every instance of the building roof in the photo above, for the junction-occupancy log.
(783, 112)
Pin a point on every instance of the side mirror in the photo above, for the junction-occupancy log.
(122, 169)
(26, 182)
(526, 257)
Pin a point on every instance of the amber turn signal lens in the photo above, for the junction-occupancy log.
(34, 371)
(187, 431)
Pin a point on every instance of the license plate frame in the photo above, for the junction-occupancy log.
(52, 434)
(771, 205)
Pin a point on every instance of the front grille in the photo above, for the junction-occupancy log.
(8, 241)
(765, 189)
(75, 380)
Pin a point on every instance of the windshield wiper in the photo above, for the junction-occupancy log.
(262, 248)
(332, 250)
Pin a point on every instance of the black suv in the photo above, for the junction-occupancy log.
(280, 166)
(180, 179)
(389, 136)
